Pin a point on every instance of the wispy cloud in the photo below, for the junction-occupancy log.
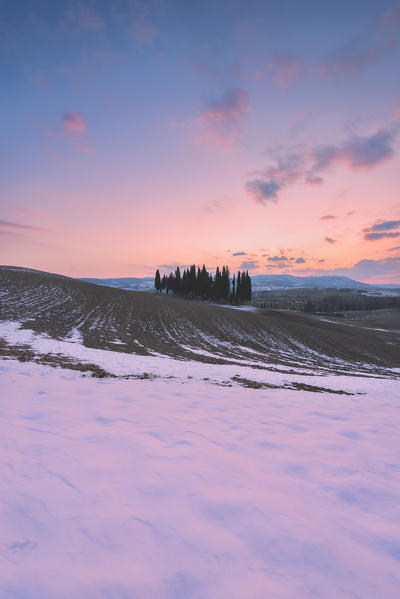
(239, 254)
(222, 117)
(277, 259)
(376, 236)
(249, 265)
(358, 152)
(327, 217)
(74, 129)
(382, 230)
(308, 164)
(263, 191)
(387, 225)
(281, 265)
(300, 261)
(284, 70)
(213, 206)
(330, 240)
(366, 49)
(20, 232)
(6, 224)
(73, 123)
(381, 270)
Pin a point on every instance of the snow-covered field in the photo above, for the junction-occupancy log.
(144, 489)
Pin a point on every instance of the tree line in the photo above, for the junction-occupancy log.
(343, 303)
(198, 283)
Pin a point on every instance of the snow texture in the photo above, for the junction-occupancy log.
(133, 489)
(159, 365)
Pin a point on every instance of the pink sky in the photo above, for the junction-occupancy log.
(130, 144)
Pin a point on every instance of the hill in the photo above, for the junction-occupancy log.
(147, 324)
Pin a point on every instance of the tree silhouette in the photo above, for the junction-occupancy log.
(200, 284)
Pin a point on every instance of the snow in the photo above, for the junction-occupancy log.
(124, 489)
(244, 308)
(159, 365)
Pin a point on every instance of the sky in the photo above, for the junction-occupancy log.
(147, 134)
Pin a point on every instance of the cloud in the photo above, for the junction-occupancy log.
(222, 117)
(281, 265)
(74, 129)
(386, 225)
(213, 206)
(284, 70)
(313, 180)
(249, 265)
(73, 123)
(379, 270)
(374, 271)
(330, 240)
(300, 261)
(172, 267)
(277, 259)
(349, 60)
(307, 164)
(263, 191)
(327, 217)
(358, 152)
(6, 224)
(397, 247)
(382, 230)
(239, 254)
(376, 236)
(365, 50)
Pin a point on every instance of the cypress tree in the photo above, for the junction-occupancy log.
(157, 281)
(239, 289)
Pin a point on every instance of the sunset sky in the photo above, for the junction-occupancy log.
(262, 135)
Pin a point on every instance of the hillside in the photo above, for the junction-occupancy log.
(144, 324)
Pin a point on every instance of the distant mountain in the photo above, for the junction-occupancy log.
(260, 283)
(132, 283)
(266, 282)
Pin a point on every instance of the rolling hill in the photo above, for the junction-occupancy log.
(148, 324)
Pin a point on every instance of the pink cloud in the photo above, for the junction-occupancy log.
(7, 225)
(357, 153)
(221, 118)
(284, 70)
(74, 128)
(313, 180)
(73, 123)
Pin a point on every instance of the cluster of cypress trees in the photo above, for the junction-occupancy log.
(200, 284)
